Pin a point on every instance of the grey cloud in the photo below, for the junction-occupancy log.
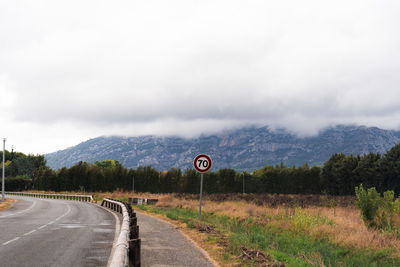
(302, 66)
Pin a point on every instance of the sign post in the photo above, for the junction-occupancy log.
(3, 171)
(202, 163)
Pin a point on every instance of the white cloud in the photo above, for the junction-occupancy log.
(74, 70)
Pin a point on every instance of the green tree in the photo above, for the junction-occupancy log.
(367, 172)
(226, 181)
(389, 168)
(338, 176)
(191, 181)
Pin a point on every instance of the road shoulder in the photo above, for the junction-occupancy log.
(157, 233)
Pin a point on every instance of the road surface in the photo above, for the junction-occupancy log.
(44, 232)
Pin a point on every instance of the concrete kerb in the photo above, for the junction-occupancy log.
(120, 256)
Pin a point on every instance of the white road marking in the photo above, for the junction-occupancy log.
(29, 232)
(41, 227)
(12, 240)
(58, 218)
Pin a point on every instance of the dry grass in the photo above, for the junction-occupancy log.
(348, 227)
(6, 204)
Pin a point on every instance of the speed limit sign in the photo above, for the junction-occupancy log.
(202, 163)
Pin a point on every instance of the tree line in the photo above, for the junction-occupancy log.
(20, 169)
(338, 176)
(342, 173)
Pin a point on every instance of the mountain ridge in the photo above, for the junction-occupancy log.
(246, 148)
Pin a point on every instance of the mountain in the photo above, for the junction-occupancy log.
(244, 149)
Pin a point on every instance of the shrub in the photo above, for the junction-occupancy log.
(368, 201)
(377, 212)
(389, 208)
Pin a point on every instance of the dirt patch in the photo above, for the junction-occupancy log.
(6, 204)
(204, 228)
(257, 257)
(222, 241)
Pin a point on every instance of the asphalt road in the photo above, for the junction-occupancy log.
(43, 232)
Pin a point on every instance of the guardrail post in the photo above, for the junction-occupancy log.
(134, 252)
(134, 232)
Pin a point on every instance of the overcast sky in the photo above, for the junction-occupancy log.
(74, 70)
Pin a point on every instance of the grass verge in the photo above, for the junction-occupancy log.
(253, 242)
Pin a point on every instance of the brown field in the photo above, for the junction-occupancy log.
(348, 227)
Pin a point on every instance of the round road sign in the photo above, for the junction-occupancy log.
(202, 163)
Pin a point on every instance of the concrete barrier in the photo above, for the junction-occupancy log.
(127, 248)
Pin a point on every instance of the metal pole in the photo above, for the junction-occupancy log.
(133, 184)
(4, 168)
(201, 194)
(243, 183)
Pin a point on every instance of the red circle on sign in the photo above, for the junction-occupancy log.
(202, 163)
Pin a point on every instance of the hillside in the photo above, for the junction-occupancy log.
(244, 149)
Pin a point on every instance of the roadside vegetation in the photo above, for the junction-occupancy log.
(244, 233)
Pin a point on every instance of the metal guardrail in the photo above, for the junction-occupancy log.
(127, 248)
(86, 198)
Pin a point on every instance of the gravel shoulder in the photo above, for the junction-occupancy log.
(164, 245)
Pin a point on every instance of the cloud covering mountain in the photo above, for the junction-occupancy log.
(243, 149)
